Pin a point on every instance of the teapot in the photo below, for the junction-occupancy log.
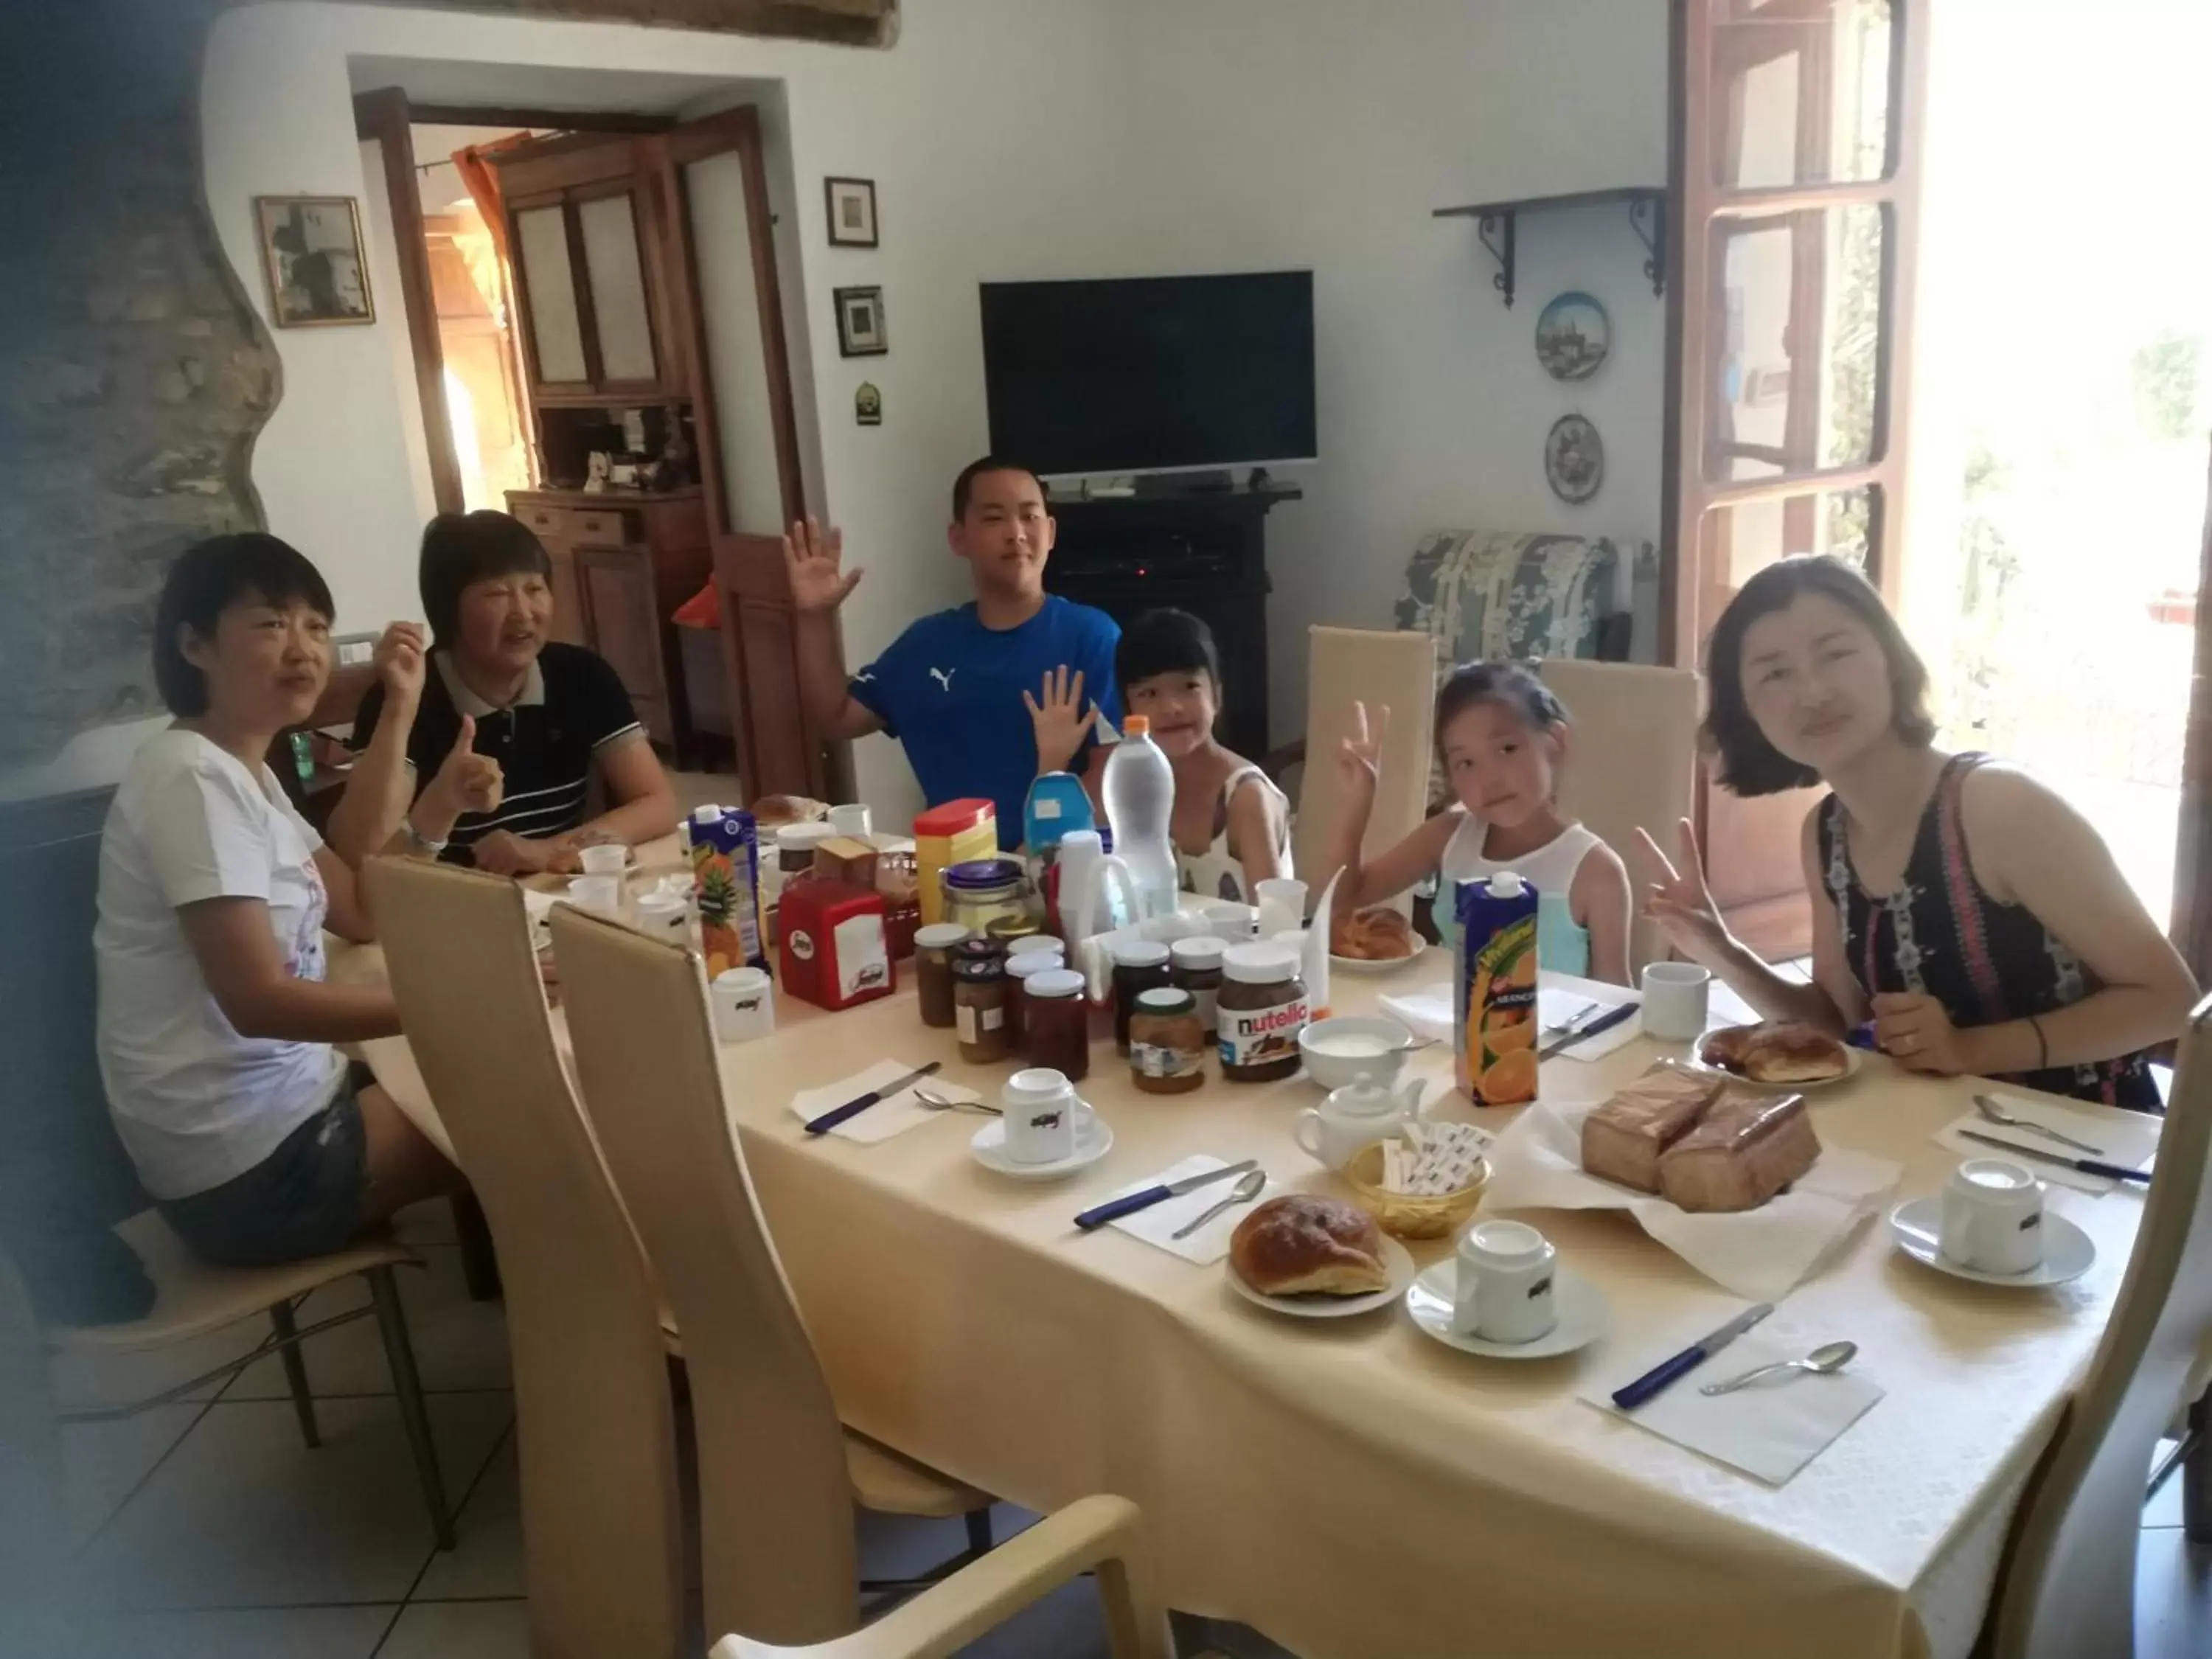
(1354, 1117)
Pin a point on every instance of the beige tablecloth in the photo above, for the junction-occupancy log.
(1352, 1488)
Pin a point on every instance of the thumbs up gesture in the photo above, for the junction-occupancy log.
(469, 782)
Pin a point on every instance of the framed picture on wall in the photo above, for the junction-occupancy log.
(852, 204)
(311, 250)
(860, 322)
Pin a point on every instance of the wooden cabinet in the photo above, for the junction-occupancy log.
(622, 563)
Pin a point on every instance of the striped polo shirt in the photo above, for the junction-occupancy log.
(571, 708)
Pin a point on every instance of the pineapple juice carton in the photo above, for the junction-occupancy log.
(725, 887)
(1495, 1011)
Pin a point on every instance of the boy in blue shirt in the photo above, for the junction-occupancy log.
(955, 687)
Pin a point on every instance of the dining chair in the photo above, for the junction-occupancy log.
(2068, 1585)
(602, 1529)
(778, 1473)
(1096, 1534)
(1634, 762)
(1345, 666)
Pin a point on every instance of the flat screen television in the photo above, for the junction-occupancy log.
(1151, 374)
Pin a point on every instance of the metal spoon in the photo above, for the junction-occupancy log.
(1997, 1114)
(1247, 1188)
(1827, 1357)
(939, 1103)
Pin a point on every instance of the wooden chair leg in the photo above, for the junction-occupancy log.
(479, 1262)
(296, 1372)
(407, 1384)
(2197, 1475)
(979, 1531)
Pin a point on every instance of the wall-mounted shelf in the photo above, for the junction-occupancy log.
(1495, 223)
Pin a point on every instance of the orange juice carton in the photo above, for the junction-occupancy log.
(726, 887)
(1495, 1011)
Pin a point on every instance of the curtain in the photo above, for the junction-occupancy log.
(480, 178)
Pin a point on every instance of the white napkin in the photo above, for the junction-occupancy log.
(885, 1118)
(1771, 1429)
(1155, 1226)
(1536, 1163)
(1427, 1012)
(2126, 1137)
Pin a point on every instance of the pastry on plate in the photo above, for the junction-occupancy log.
(1776, 1051)
(1377, 934)
(1306, 1244)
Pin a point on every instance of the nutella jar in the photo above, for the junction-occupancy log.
(1194, 965)
(1261, 1010)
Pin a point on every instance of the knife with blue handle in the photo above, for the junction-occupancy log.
(1604, 1022)
(2086, 1165)
(1667, 1372)
(1115, 1208)
(852, 1109)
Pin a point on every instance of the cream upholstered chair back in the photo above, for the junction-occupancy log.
(2069, 1587)
(776, 1502)
(601, 1520)
(1346, 666)
(1632, 760)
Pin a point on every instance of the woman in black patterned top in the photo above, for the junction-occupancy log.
(1967, 910)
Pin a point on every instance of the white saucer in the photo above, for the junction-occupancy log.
(1396, 1257)
(2068, 1252)
(1372, 967)
(1853, 1059)
(1093, 1140)
(1581, 1310)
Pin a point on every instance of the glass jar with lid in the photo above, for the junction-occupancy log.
(979, 1010)
(1194, 965)
(934, 948)
(1020, 967)
(1167, 1046)
(983, 890)
(1056, 1022)
(1139, 965)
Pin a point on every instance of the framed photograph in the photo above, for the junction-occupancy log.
(851, 211)
(310, 250)
(860, 322)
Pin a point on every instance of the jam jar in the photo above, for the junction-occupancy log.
(1139, 965)
(1057, 1022)
(979, 1011)
(1166, 1044)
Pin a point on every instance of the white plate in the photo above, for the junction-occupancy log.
(1365, 968)
(2068, 1252)
(1093, 1140)
(1853, 1059)
(1396, 1257)
(1581, 1310)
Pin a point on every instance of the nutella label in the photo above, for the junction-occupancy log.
(1150, 1059)
(1258, 1037)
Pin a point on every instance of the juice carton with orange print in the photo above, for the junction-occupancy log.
(725, 887)
(1495, 1034)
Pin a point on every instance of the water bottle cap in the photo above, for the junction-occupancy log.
(1136, 726)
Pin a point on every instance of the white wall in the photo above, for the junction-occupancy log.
(1039, 138)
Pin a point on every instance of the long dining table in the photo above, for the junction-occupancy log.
(1351, 1487)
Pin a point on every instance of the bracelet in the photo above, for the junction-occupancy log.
(2042, 1042)
(433, 847)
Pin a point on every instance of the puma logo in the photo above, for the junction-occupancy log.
(944, 676)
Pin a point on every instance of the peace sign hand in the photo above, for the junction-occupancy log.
(1359, 756)
(1677, 897)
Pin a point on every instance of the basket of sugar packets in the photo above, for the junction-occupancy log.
(1424, 1184)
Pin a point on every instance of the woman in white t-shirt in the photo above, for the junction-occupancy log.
(215, 1026)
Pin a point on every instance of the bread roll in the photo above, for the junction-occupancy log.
(1303, 1244)
(1623, 1139)
(1748, 1147)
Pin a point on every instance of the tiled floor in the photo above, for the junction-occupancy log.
(206, 1530)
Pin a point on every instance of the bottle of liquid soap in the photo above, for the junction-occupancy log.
(1139, 791)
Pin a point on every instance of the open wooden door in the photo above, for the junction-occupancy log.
(730, 334)
(1794, 156)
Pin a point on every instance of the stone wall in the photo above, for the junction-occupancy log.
(134, 374)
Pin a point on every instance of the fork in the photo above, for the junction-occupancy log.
(939, 1103)
(1997, 1114)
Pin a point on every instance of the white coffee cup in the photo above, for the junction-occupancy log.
(663, 916)
(1227, 918)
(1993, 1216)
(602, 894)
(1282, 905)
(1675, 995)
(852, 820)
(604, 859)
(1042, 1112)
(1504, 1291)
(744, 1003)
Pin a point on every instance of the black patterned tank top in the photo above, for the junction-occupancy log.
(1941, 935)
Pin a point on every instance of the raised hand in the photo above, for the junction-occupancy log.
(1359, 756)
(815, 560)
(1061, 718)
(398, 661)
(470, 783)
(1675, 895)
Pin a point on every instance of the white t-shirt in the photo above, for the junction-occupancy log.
(195, 1102)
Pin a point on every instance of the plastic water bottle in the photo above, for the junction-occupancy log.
(1139, 791)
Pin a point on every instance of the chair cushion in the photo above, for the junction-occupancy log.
(890, 1484)
(192, 1297)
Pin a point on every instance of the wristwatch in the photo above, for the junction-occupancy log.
(433, 847)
